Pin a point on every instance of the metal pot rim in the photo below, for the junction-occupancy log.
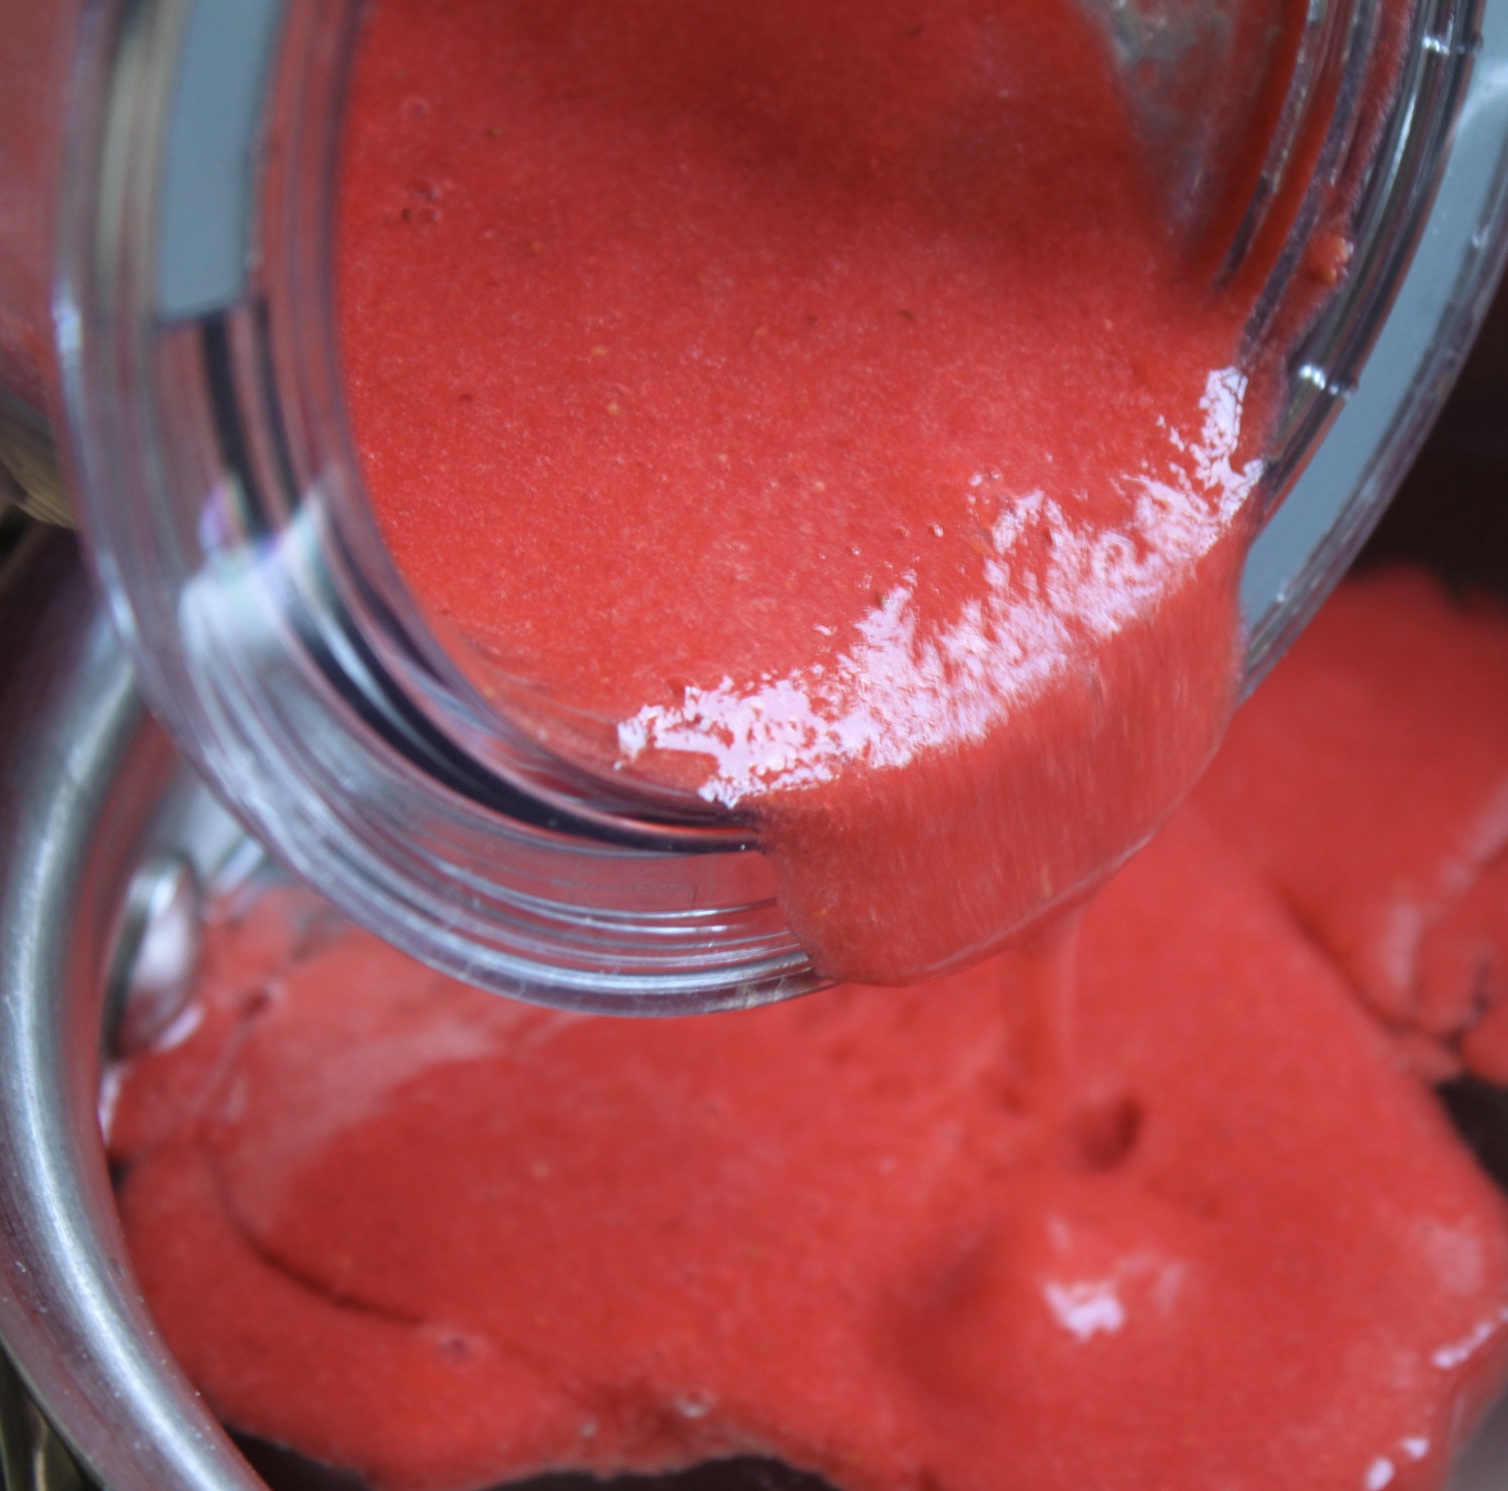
(86, 772)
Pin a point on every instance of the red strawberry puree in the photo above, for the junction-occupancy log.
(1210, 1233)
(806, 410)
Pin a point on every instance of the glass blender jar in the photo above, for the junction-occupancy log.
(168, 287)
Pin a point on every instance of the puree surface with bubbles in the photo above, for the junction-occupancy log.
(810, 412)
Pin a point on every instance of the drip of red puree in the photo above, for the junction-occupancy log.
(807, 409)
(1228, 1241)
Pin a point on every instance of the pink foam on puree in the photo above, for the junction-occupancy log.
(1207, 1231)
(1370, 786)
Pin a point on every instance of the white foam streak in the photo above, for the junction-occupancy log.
(1086, 1310)
(1448, 1358)
(895, 691)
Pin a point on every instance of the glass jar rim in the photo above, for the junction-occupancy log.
(218, 484)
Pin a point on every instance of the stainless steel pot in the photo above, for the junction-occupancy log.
(90, 788)
(91, 792)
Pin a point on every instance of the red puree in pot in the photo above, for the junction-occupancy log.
(1211, 1233)
(807, 410)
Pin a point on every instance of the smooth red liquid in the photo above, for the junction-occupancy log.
(892, 1236)
(807, 410)
(1371, 788)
